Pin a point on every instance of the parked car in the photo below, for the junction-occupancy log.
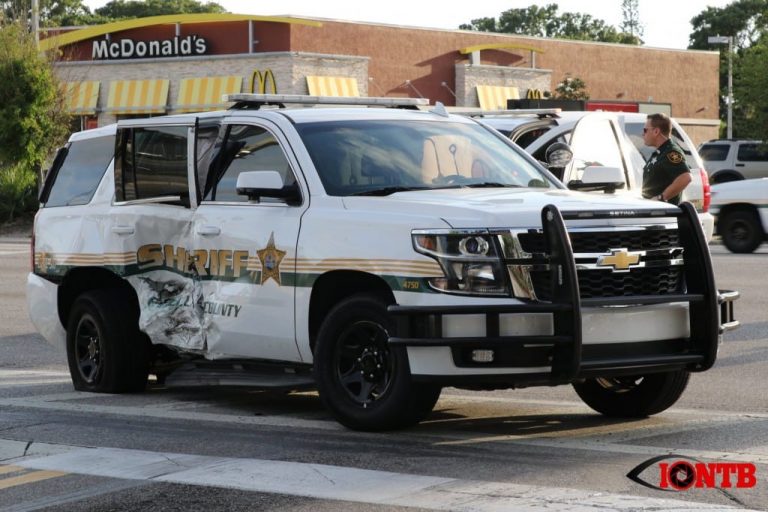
(733, 160)
(376, 254)
(741, 213)
(604, 138)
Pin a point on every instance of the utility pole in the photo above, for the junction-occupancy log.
(36, 22)
(729, 41)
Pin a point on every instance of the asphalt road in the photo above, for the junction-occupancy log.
(236, 449)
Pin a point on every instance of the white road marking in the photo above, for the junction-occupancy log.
(7, 248)
(609, 438)
(342, 483)
(70, 405)
(15, 378)
(580, 405)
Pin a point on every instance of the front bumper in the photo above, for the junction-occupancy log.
(561, 356)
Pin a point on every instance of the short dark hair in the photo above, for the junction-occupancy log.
(662, 122)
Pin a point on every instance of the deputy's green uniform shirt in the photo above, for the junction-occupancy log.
(665, 164)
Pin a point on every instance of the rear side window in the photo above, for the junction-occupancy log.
(752, 153)
(714, 152)
(152, 163)
(76, 180)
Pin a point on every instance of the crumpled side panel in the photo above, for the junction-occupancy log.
(171, 309)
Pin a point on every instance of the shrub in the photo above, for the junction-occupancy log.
(33, 119)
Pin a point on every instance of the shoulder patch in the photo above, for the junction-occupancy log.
(675, 157)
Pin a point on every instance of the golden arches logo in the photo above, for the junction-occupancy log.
(260, 80)
(533, 94)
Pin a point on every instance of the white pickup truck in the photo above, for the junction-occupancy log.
(375, 253)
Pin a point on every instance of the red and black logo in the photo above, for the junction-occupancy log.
(675, 473)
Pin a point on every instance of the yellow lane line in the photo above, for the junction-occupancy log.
(29, 478)
(10, 469)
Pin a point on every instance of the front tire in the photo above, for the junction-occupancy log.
(362, 380)
(106, 352)
(633, 396)
(741, 231)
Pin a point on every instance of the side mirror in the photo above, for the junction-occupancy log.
(595, 177)
(258, 184)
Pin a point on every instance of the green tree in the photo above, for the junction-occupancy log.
(123, 9)
(546, 22)
(630, 24)
(751, 90)
(571, 88)
(747, 22)
(33, 120)
(53, 13)
(61, 13)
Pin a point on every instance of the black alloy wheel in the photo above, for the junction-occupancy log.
(363, 363)
(364, 382)
(88, 349)
(634, 396)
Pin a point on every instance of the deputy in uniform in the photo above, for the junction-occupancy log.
(666, 174)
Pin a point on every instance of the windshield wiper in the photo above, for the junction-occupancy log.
(386, 191)
(490, 184)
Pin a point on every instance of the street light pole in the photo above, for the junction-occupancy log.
(729, 41)
(730, 87)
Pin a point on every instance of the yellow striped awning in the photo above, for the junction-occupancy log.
(81, 97)
(137, 96)
(201, 94)
(332, 86)
(494, 97)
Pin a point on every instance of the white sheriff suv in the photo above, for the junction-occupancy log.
(375, 253)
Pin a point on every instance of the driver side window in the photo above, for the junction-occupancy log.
(245, 148)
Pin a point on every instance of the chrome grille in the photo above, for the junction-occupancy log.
(601, 241)
(660, 270)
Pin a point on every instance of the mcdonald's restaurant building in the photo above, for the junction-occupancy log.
(185, 63)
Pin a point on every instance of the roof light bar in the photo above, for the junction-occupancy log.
(299, 99)
(509, 112)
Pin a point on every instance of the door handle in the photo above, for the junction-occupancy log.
(123, 230)
(208, 231)
(739, 165)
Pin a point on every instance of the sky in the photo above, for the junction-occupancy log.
(666, 22)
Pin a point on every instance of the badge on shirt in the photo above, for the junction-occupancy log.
(675, 157)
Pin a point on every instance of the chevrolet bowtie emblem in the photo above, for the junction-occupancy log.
(619, 259)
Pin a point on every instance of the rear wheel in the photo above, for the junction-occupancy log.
(364, 382)
(106, 352)
(633, 396)
(741, 231)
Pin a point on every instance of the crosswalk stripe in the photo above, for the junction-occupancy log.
(29, 478)
(344, 483)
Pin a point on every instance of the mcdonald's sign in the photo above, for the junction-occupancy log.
(533, 94)
(260, 80)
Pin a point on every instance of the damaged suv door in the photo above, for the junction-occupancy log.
(150, 222)
(245, 239)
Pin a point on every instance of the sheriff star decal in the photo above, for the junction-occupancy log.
(675, 157)
(270, 258)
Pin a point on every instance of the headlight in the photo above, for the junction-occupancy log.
(470, 261)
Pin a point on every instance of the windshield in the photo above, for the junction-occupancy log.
(377, 157)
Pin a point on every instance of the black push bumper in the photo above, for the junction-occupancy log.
(710, 314)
